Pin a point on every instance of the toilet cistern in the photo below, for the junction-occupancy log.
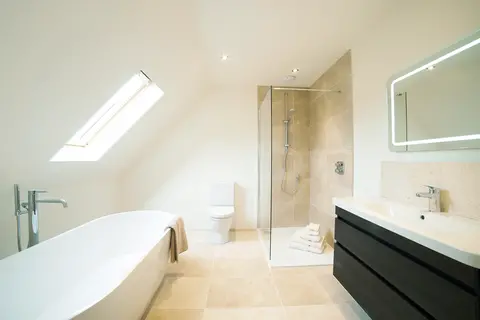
(32, 210)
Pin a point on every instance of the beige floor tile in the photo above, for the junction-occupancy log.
(299, 288)
(322, 270)
(240, 250)
(201, 250)
(327, 312)
(245, 314)
(242, 293)
(294, 271)
(199, 236)
(245, 235)
(335, 290)
(182, 293)
(243, 245)
(158, 314)
(191, 267)
(241, 268)
(196, 262)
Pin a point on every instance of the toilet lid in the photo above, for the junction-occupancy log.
(222, 212)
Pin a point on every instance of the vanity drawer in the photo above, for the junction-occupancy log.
(376, 298)
(456, 271)
(436, 295)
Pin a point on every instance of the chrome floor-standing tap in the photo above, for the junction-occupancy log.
(31, 207)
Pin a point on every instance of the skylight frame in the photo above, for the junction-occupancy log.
(104, 115)
(111, 121)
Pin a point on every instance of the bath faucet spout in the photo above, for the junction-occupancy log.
(62, 201)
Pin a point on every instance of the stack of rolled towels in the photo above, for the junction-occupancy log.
(308, 239)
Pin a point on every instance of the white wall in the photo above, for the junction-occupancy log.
(404, 37)
(215, 142)
(60, 61)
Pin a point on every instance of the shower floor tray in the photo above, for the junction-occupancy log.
(284, 256)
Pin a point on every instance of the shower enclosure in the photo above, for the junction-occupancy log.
(286, 138)
(284, 180)
(284, 159)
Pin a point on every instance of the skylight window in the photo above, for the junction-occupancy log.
(111, 121)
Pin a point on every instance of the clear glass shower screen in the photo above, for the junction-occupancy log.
(264, 222)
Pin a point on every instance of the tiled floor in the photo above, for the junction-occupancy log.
(234, 282)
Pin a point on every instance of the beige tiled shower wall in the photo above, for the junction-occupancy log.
(459, 182)
(331, 140)
(289, 208)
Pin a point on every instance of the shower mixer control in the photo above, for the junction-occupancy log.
(340, 167)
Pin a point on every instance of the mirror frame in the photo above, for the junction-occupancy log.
(447, 53)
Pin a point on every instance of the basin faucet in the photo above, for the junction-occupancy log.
(32, 210)
(433, 196)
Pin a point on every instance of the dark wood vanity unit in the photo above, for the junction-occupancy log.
(392, 277)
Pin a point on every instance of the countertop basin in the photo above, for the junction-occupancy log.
(454, 236)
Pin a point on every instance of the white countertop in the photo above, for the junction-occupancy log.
(453, 236)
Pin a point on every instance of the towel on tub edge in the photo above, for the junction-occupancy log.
(178, 238)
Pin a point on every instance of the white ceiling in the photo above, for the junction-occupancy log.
(268, 38)
(62, 59)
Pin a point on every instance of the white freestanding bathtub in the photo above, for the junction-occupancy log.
(108, 268)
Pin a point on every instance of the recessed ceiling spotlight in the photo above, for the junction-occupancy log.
(431, 68)
(295, 70)
(225, 57)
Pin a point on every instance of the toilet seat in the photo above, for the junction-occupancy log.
(221, 212)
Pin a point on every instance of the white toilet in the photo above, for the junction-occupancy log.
(221, 211)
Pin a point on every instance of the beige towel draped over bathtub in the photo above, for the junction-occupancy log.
(178, 238)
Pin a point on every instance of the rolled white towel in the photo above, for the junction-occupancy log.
(311, 233)
(314, 227)
(299, 246)
(307, 232)
(318, 245)
(302, 235)
(316, 238)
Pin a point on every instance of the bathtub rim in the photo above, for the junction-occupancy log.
(108, 215)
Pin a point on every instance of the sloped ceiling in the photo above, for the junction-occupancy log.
(268, 38)
(61, 60)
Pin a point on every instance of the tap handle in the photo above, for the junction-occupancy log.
(431, 189)
(16, 196)
(32, 194)
(37, 191)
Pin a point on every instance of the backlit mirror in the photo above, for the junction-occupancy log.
(435, 105)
